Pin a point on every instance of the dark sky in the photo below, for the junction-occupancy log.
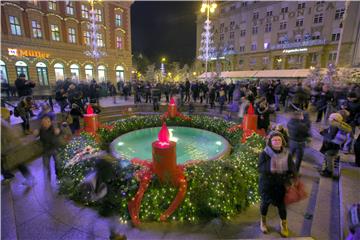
(162, 28)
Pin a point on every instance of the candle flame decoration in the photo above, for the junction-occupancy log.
(164, 136)
(251, 110)
(172, 101)
(89, 109)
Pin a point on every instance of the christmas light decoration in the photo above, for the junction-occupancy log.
(221, 188)
(94, 50)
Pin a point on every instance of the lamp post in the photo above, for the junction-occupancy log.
(209, 6)
(341, 33)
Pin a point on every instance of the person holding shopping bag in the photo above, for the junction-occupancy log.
(276, 170)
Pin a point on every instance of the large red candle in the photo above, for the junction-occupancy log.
(91, 120)
(164, 156)
(172, 108)
(250, 119)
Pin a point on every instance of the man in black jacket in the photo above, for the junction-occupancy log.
(23, 86)
(299, 130)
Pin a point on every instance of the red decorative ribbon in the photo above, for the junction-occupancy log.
(144, 176)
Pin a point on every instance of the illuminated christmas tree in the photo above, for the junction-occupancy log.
(207, 49)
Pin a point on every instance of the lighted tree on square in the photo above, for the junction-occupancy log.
(94, 49)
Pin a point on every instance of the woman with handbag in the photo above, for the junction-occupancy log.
(276, 169)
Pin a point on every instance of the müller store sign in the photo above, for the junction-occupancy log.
(27, 53)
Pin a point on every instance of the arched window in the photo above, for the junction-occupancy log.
(3, 72)
(89, 72)
(42, 74)
(59, 71)
(102, 73)
(119, 73)
(75, 73)
(22, 68)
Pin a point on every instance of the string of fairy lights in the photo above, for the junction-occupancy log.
(220, 188)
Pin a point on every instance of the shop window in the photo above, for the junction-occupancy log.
(22, 68)
(36, 27)
(118, 20)
(75, 73)
(70, 8)
(119, 42)
(102, 73)
(59, 71)
(15, 26)
(87, 38)
(89, 72)
(3, 73)
(72, 35)
(42, 74)
(119, 73)
(84, 11)
(55, 32)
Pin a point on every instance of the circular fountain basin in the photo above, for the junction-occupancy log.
(191, 144)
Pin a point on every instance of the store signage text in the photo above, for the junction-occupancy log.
(296, 50)
(27, 53)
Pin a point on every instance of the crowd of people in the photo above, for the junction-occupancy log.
(338, 108)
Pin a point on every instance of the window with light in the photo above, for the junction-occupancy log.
(119, 42)
(99, 39)
(72, 35)
(87, 37)
(15, 26)
(36, 27)
(98, 15)
(118, 20)
(84, 11)
(55, 32)
(70, 8)
(52, 5)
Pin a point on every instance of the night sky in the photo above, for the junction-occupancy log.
(164, 29)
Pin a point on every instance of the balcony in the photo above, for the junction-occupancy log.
(299, 44)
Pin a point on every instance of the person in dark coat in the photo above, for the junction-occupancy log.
(49, 137)
(263, 112)
(23, 86)
(276, 169)
(299, 127)
(76, 114)
(334, 137)
(23, 110)
(324, 98)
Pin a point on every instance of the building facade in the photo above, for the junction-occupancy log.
(252, 35)
(47, 41)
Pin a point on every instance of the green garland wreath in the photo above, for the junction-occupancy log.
(220, 188)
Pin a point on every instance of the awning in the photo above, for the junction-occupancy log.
(232, 74)
(281, 73)
(288, 73)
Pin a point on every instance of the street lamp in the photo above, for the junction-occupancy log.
(207, 6)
